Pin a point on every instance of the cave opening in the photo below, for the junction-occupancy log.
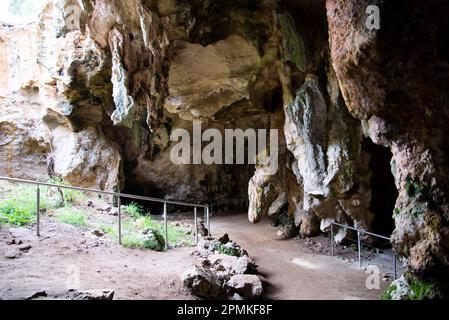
(224, 190)
(383, 188)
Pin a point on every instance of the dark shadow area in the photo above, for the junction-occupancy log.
(383, 188)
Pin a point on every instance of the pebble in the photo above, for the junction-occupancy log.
(12, 254)
(25, 247)
(90, 204)
(98, 233)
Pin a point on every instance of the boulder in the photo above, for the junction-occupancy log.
(226, 266)
(202, 282)
(247, 286)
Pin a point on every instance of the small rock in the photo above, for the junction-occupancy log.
(19, 242)
(25, 247)
(90, 204)
(237, 297)
(12, 254)
(11, 242)
(106, 208)
(206, 247)
(246, 285)
(89, 295)
(113, 212)
(37, 295)
(224, 239)
(98, 233)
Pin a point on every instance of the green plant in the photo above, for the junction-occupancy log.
(153, 240)
(72, 216)
(133, 232)
(134, 210)
(230, 251)
(396, 212)
(420, 290)
(13, 213)
(412, 188)
(19, 205)
(108, 230)
(387, 295)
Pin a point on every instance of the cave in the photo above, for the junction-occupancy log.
(383, 189)
(98, 99)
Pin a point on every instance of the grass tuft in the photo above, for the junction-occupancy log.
(134, 210)
(72, 216)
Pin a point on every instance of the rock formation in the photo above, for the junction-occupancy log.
(395, 81)
(93, 90)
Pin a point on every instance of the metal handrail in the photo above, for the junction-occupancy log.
(359, 243)
(119, 196)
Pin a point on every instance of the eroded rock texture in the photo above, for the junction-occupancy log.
(395, 80)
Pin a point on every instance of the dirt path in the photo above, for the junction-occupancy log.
(63, 251)
(291, 271)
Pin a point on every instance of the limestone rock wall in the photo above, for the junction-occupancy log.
(395, 81)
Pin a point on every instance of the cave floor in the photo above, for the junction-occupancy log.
(292, 271)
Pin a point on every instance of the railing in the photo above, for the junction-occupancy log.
(118, 196)
(359, 243)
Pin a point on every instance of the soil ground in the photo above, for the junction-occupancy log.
(67, 256)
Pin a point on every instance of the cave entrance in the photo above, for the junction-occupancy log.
(383, 188)
(224, 190)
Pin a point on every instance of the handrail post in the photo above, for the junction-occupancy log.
(208, 221)
(332, 239)
(196, 224)
(165, 226)
(394, 266)
(359, 249)
(38, 210)
(119, 202)
(205, 219)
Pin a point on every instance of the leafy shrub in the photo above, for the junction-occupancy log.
(387, 295)
(18, 206)
(230, 251)
(14, 213)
